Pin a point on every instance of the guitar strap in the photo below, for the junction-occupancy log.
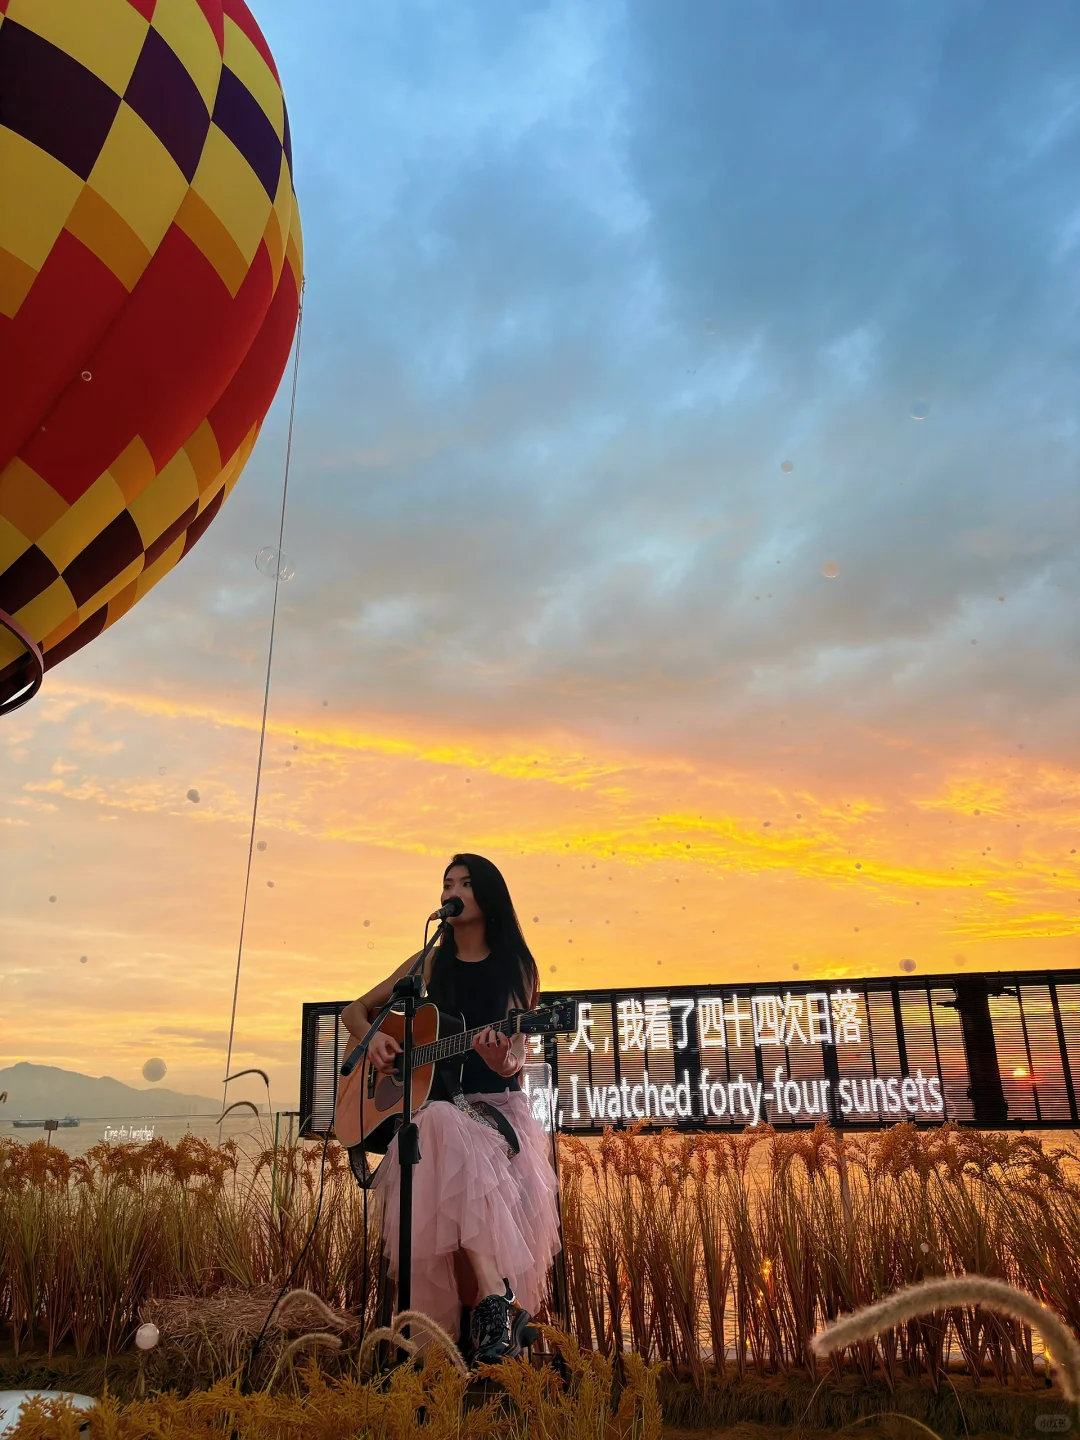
(484, 1113)
(358, 1164)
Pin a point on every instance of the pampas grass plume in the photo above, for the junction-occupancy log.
(289, 1299)
(317, 1337)
(917, 1300)
(424, 1323)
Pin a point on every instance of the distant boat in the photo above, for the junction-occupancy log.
(69, 1122)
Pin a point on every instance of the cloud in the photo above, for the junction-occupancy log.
(200, 1037)
(546, 488)
(578, 282)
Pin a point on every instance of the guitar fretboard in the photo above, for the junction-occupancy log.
(456, 1044)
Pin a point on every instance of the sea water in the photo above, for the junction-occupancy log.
(248, 1131)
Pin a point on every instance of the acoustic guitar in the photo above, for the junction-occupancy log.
(370, 1104)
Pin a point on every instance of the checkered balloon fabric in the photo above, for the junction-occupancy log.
(150, 272)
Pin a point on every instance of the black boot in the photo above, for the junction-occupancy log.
(492, 1336)
(523, 1332)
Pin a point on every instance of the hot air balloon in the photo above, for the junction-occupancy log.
(150, 273)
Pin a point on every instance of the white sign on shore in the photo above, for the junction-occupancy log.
(129, 1134)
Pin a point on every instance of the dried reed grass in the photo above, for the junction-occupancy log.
(87, 1242)
(411, 1401)
(765, 1236)
(718, 1254)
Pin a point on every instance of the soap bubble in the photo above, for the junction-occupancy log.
(86, 375)
(162, 769)
(787, 467)
(536, 919)
(830, 569)
(269, 884)
(154, 1069)
(52, 899)
(193, 796)
(924, 1247)
(274, 563)
(920, 409)
(147, 1336)
(83, 959)
(907, 966)
(261, 845)
(552, 969)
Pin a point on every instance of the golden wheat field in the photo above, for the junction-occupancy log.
(699, 1267)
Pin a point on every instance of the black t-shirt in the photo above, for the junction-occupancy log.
(476, 988)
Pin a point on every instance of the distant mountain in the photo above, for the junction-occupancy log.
(42, 1092)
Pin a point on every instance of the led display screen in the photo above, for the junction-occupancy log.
(998, 1050)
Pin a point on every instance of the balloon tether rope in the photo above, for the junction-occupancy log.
(266, 701)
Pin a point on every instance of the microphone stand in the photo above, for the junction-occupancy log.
(407, 991)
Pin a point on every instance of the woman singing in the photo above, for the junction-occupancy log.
(479, 1216)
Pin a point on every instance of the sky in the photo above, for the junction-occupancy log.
(684, 512)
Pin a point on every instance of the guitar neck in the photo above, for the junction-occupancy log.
(457, 1044)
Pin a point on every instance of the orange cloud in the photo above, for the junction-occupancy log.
(627, 866)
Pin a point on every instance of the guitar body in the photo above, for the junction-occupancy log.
(370, 1104)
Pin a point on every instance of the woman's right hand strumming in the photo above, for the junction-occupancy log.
(357, 1017)
(381, 1052)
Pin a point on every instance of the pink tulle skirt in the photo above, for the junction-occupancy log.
(468, 1194)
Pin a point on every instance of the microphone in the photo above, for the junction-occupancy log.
(454, 906)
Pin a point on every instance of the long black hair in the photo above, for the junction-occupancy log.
(518, 976)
